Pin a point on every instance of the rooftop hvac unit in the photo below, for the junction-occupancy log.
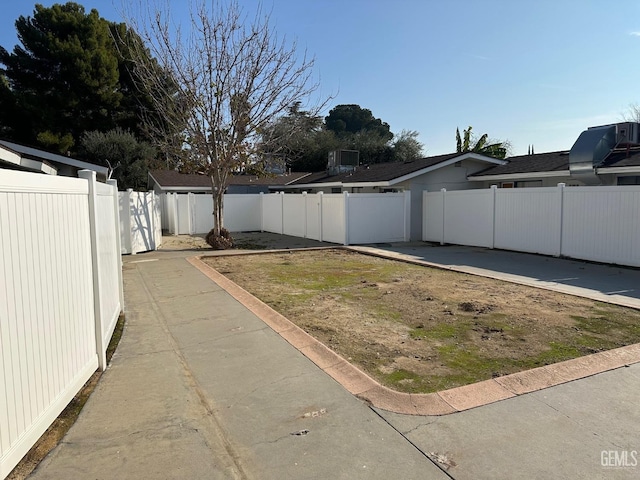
(342, 161)
(628, 133)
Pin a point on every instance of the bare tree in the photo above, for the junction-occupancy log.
(632, 114)
(227, 77)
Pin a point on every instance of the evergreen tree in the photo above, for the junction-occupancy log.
(68, 75)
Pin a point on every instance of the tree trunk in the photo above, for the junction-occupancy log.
(218, 206)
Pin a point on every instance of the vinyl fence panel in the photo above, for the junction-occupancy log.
(294, 215)
(48, 302)
(202, 214)
(602, 224)
(109, 269)
(140, 221)
(184, 215)
(313, 204)
(469, 217)
(333, 218)
(378, 218)
(433, 216)
(272, 213)
(242, 213)
(529, 219)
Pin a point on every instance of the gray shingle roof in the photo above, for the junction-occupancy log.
(379, 172)
(558, 161)
(539, 162)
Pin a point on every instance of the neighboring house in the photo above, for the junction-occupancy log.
(170, 181)
(620, 167)
(431, 174)
(19, 157)
(605, 155)
(426, 174)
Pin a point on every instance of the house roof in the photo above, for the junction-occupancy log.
(390, 173)
(171, 179)
(539, 162)
(556, 163)
(48, 159)
(623, 158)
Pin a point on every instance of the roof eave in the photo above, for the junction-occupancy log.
(446, 163)
(629, 169)
(516, 176)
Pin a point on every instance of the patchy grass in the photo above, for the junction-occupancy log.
(419, 329)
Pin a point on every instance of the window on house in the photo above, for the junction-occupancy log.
(529, 183)
(633, 180)
(506, 185)
(336, 190)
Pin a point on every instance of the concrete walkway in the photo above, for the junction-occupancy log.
(202, 388)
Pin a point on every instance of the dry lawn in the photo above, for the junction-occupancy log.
(419, 329)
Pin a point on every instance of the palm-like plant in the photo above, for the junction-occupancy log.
(481, 146)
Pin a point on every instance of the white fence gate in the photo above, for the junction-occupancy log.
(60, 299)
(600, 224)
(338, 218)
(140, 221)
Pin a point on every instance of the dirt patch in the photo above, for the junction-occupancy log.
(420, 329)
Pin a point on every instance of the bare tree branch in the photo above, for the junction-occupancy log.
(227, 77)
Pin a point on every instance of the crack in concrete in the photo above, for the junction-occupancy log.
(410, 431)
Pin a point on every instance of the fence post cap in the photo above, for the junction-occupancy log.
(443, 189)
(494, 187)
(562, 185)
(88, 174)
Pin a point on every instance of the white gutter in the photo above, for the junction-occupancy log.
(618, 170)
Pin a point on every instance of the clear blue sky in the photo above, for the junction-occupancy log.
(534, 72)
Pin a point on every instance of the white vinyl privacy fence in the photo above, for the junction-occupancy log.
(60, 297)
(140, 221)
(600, 224)
(343, 218)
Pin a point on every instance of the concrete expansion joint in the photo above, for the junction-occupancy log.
(445, 402)
(143, 354)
